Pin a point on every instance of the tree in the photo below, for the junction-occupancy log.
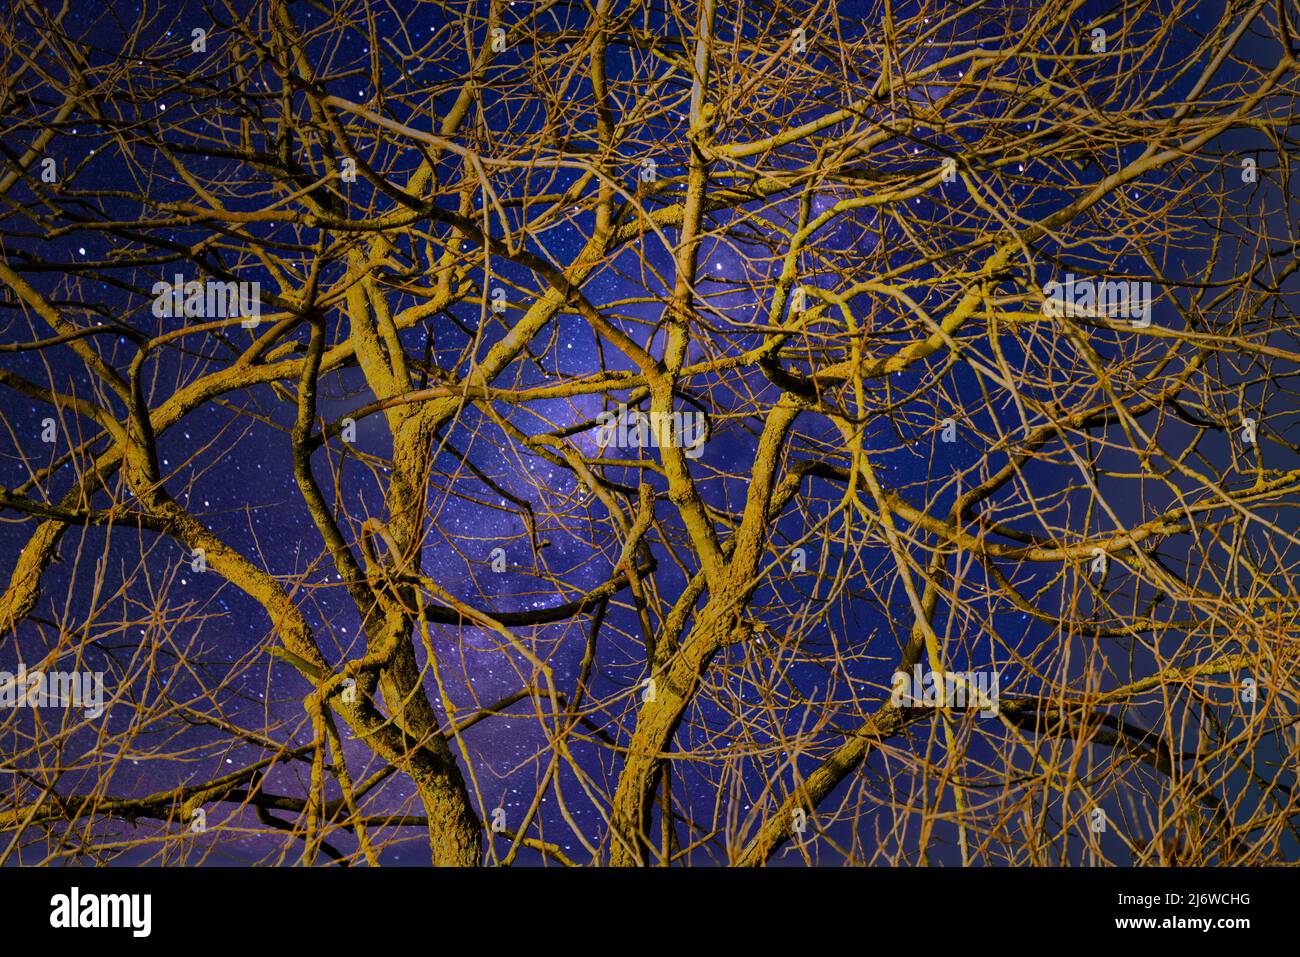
(651, 433)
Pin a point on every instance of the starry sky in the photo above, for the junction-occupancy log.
(229, 461)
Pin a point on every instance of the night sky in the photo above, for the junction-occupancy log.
(229, 461)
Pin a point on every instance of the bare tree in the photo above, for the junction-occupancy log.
(651, 433)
